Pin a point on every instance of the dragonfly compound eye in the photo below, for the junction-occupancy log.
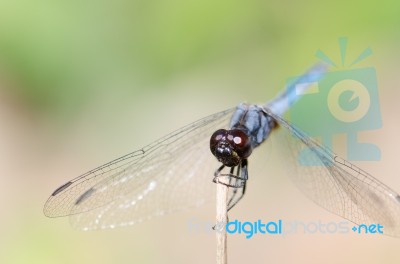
(230, 146)
(241, 142)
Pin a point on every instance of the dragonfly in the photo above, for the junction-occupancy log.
(174, 172)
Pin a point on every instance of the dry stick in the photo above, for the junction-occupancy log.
(222, 218)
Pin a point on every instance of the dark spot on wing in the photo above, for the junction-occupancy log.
(61, 188)
(398, 198)
(84, 196)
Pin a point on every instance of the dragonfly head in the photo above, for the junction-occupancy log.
(230, 146)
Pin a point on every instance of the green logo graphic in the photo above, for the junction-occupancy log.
(344, 101)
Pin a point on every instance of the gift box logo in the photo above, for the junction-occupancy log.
(345, 101)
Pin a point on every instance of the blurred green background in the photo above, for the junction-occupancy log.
(83, 82)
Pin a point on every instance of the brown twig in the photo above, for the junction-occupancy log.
(222, 218)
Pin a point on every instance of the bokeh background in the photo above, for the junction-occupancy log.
(83, 82)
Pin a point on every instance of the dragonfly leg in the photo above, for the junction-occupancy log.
(231, 179)
(242, 176)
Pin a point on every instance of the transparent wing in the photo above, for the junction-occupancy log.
(171, 174)
(337, 185)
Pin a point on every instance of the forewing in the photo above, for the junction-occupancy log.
(171, 174)
(338, 185)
